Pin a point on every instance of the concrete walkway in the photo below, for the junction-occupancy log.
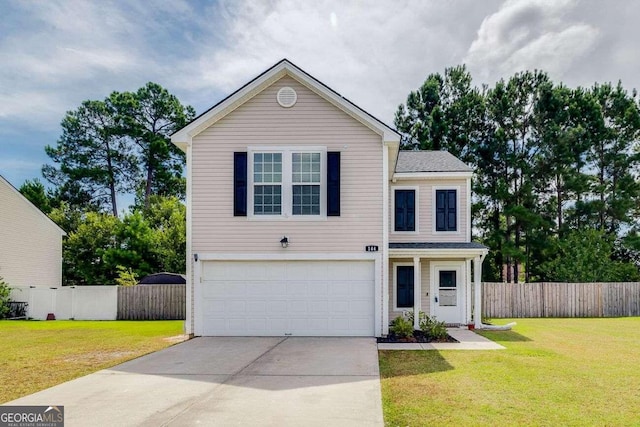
(230, 381)
(467, 340)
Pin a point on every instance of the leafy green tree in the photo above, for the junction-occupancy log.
(148, 117)
(614, 188)
(586, 256)
(36, 193)
(445, 113)
(92, 157)
(167, 217)
(85, 249)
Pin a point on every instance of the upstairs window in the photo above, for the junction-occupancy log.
(446, 210)
(267, 181)
(287, 182)
(405, 210)
(305, 169)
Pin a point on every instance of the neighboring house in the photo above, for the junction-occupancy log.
(30, 242)
(304, 219)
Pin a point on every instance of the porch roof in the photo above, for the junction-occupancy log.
(438, 249)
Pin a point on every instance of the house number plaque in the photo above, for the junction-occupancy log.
(371, 248)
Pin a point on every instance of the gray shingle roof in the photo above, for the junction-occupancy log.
(429, 161)
(437, 245)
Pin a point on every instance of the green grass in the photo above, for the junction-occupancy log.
(570, 372)
(35, 355)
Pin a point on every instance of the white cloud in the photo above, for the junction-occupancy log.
(527, 34)
(371, 52)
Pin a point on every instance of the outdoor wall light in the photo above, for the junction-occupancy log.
(284, 242)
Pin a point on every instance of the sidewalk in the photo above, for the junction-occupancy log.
(468, 340)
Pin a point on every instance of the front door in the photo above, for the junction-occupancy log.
(448, 291)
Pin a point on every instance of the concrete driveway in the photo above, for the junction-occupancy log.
(230, 381)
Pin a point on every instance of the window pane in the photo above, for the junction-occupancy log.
(267, 167)
(306, 200)
(447, 279)
(305, 167)
(267, 200)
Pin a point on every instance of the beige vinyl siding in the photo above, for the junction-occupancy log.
(30, 244)
(262, 122)
(425, 271)
(426, 211)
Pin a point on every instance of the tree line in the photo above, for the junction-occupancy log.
(556, 191)
(107, 149)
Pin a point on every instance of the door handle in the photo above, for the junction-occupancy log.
(436, 299)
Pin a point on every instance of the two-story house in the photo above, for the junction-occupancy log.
(304, 218)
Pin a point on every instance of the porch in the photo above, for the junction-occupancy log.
(441, 279)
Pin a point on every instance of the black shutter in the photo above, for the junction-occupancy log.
(405, 210)
(441, 210)
(333, 183)
(240, 184)
(451, 210)
(404, 291)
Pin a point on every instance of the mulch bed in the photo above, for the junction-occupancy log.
(418, 336)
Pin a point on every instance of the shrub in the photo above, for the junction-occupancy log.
(437, 330)
(402, 327)
(126, 277)
(5, 291)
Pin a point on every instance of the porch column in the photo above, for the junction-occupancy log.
(477, 287)
(417, 292)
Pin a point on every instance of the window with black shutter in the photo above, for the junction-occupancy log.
(405, 210)
(446, 210)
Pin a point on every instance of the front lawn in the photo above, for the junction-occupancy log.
(553, 372)
(35, 355)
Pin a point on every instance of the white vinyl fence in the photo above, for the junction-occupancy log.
(72, 302)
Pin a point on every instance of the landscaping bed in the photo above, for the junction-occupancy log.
(418, 336)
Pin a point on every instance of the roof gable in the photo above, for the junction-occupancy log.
(183, 137)
(28, 203)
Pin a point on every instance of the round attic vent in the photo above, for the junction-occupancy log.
(287, 97)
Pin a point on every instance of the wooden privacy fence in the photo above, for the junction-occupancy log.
(152, 302)
(560, 299)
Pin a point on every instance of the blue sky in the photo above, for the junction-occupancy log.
(55, 54)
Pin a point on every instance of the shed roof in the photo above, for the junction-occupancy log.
(429, 161)
(163, 279)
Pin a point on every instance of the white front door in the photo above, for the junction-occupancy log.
(448, 290)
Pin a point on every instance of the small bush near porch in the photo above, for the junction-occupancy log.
(553, 372)
(35, 355)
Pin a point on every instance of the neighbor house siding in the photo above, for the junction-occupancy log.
(425, 211)
(30, 244)
(262, 122)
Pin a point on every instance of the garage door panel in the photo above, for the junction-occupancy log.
(275, 298)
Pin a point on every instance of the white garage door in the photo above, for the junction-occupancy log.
(299, 298)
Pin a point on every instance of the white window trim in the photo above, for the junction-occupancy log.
(395, 285)
(415, 188)
(458, 209)
(286, 213)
